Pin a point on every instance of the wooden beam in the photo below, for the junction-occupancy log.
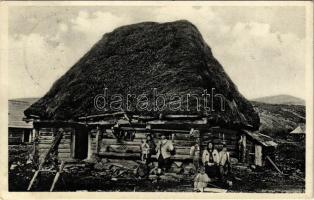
(152, 130)
(102, 115)
(273, 164)
(182, 117)
(133, 156)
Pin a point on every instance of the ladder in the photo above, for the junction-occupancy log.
(44, 159)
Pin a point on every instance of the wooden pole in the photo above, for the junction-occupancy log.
(57, 176)
(42, 162)
(97, 139)
(32, 181)
(274, 165)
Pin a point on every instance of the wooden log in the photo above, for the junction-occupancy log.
(45, 137)
(152, 130)
(183, 151)
(180, 125)
(64, 150)
(182, 117)
(183, 142)
(65, 141)
(124, 148)
(229, 147)
(64, 154)
(44, 141)
(115, 141)
(137, 156)
(46, 134)
(47, 146)
(103, 115)
(217, 136)
(67, 137)
(46, 130)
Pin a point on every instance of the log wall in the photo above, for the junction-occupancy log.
(110, 146)
(102, 142)
(45, 139)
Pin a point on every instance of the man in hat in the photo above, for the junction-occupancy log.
(164, 150)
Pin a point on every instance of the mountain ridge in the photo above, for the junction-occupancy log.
(280, 99)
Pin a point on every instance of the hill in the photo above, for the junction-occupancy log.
(281, 99)
(278, 120)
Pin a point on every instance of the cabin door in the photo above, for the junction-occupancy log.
(81, 143)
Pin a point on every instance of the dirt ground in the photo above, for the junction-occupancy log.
(91, 177)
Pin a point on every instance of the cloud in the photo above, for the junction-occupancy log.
(261, 60)
(94, 25)
(273, 62)
(35, 62)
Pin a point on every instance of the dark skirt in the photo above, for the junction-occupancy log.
(211, 171)
(164, 163)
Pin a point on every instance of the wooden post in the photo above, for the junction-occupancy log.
(258, 155)
(35, 149)
(98, 138)
(244, 150)
(33, 179)
(73, 143)
(57, 176)
(89, 147)
(23, 136)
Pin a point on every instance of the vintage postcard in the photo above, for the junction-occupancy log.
(156, 100)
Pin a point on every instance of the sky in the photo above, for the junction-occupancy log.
(262, 49)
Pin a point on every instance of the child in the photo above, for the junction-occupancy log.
(195, 154)
(201, 180)
(145, 150)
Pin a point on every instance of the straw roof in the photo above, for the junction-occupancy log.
(171, 57)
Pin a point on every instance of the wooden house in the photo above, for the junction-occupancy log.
(171, 57)
(298, 134)
(19, 131)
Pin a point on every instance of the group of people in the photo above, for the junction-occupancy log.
(163, 150)
(214, 164)
(209, 164)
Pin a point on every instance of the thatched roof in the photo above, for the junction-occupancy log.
(171, 57)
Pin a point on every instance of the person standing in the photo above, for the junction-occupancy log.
(210, 160)
(147, 149)
(195, 154)
(224, 163)
(164, 150)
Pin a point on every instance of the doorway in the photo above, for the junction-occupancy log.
(80, 143)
